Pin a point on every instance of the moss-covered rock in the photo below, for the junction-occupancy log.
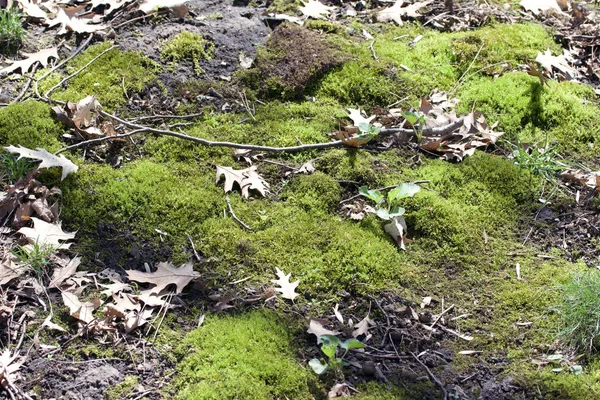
(31, 125)
(250, 356)
(292, 58)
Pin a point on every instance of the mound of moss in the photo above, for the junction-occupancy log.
(250, 356)
(188, 46)
(31, 125)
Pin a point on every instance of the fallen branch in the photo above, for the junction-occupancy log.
(267, 149)
(431, 375)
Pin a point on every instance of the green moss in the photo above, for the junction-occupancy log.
(250, 356)
(316, 191)
(106, 78)
(190, 47)
(563, 112)
(123, 389)
(29, 124)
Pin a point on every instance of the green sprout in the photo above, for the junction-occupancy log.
(388, 208)
(330, 347)
(11, 30)
(35, 256)
(416, 119)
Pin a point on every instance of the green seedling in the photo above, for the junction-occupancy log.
(34, 256)
(11, 31)
(416, 119)
(541, 161)
(388, 208)
(367, 132)
(13, 168)
(330, 347)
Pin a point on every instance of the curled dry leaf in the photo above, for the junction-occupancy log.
(9, 271)
(397, 230)
(9, 366)
(79, 118)
(77, 309)
(246, 179)
(166, 274)
(315, 327)
(59, 275)
(396, 12)
(362, 327)
(28, 198)
(287, 288)
(46, 234)
(48, 160)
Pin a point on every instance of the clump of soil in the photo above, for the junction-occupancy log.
(293, 58)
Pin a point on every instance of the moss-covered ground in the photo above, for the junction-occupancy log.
(467, 223)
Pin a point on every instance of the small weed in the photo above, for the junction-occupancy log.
(541, 161)
(580, 311)
(330, 347)
(11, 31)
(389, 208)
(13, 168)
(416, 119)
(35, 256)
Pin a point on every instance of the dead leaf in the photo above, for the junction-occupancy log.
(166, 274)
(148, 6)
(356, 115)
(79, 117)
(362, 327)
(397, 230)
(287, 289)
(9, 365)
(539, 6)
(246, 179)
(395, 12)
(316, 328)
(75, 24)
(79, 310)
(51, 325)
(339, 390)
(61, 274)
(46, 234)
(561, 63)
(114, 288)
(9, 271)
(426, 301)
(338, 315)
(315, 9)
(48, 160)
(25, 65)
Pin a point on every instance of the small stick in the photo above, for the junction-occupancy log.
(59, 84)
(239, 221)
(27, 84)
(441, 315)
(373, 51)
(194, 249)
(387, 319)
(431, 375)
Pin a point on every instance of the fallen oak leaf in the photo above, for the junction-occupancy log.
(246, 178)
(166, 274)
(60, 275)
(25, 65)
(48, 160)
(46, 234)
(362, 327)
(355, 114)
(9, 271)
(148, 6)
(79, 310)
(315, 327)
(315, 9)
(395, 12)
(287, 289)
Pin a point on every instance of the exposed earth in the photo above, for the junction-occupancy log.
(471, 308)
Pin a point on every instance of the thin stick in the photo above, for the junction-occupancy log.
(337, 143)
(93, 60)
(373, 51)
(431, 375)
(387, 320)
(441, 315)
(460, 80)
(239, 221)
(27, 84)
(99, 140)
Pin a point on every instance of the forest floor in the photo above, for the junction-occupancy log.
(231, 143)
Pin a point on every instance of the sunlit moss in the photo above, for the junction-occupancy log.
(188, 46)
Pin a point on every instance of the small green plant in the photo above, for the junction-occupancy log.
(331, 348)
(541, 161)
(13, 168)
(188, 46)
(367, 132)
(34, 256)
(579, 311)
(388, 208)
(11, 30)
(416, 119)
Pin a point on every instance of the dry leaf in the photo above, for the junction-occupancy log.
(75, 24)
(362, 327)
(9, 365)
(79, 117)
(25, 65)
(46, 234)
(61, 274)
(51, 325)
(114, 288)
(166, 274)
(397, 230)
(48, 160)
(246, 178)
(357, 118)
(338, 315)
(148, 6)
(538, 6)
(561, 63)
(9, 271)
(395, 12)
(315, 9)
(426, 301)
(316, 328)
(287, 289)
(79, 310)
(339, 390)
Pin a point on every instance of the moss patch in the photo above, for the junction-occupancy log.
(250, 356)
(29, 124)
(106, 77)
(293, 57)
(190, 47)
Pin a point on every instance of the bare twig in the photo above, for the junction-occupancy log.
(441, 315)
(239, 221)
(431, 375)
(387, 321)
(27, 84)
(373, 51)
(93, 60)
(313, 146)
(194, 249)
